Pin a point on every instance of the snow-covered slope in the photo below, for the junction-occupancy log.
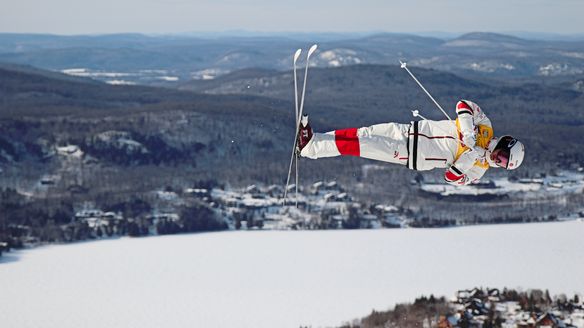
(277, 279)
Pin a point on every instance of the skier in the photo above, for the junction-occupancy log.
(466, 148)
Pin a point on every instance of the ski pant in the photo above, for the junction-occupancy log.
(386, 142)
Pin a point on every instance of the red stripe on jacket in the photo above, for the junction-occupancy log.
(434, 137)
(347, 142)
(462, 106)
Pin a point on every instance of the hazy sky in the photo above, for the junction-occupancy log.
(174, 16)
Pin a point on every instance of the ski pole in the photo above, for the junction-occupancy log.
(404, 66)
(416, 113)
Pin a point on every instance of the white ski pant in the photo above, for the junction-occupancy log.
(386, 142)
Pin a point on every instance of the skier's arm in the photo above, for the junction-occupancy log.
(464, 171)
(470, 115)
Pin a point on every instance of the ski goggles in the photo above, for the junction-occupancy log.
(500, 157)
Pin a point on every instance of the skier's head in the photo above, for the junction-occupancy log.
(507, 153)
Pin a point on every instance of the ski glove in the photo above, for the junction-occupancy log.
(455, 177)
(456, 173)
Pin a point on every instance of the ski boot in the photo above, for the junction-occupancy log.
(304, 134)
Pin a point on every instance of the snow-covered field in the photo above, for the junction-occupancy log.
(277, 278)
(566, 182)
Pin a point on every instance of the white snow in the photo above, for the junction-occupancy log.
(153, 71)
(572, 54)
(84, 72)
(70, 151)
(565, 182)
(208, 74)
(122, 78)
(169, 78)
(121, 139)
(489, 66)
(120, 82)
(75, 71)
(277, 278)
(556, 69)
(339, 57)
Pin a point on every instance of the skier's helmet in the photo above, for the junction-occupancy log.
(508, 153)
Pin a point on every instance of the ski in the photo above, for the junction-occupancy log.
(296, 56)
(298, 116)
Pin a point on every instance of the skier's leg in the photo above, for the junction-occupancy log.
(395, 131)
(384, 142)
(321, 145)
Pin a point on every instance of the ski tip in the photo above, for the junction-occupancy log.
(312, 49)
(297, 54)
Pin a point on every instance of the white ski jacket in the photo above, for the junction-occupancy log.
(459, 146)
(438, 144)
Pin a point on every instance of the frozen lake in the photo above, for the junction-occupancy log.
(276, 278)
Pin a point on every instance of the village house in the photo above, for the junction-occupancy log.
(369, 221)
(200, 193)
(477, 306)
(171, 217)
(338, 220)
(255, 206)
(275, 191)
(97, 218)
(3, 247)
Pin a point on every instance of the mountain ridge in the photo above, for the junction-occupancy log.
(480, 54)
(257, 103)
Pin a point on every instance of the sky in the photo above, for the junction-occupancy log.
(183, 16)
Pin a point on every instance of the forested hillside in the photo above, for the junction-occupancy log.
(67, 142)
(538, 113)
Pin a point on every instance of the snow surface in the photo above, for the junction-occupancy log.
(565, 183)
(277, 278)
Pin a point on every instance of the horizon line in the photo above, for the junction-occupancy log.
(257, 33)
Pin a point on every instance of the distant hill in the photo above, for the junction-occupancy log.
(39, 113)
(153, 59)
(78, 140)
(360, 95)
(388, 91)
(483, 40)
(244, 118)
(218, 113)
